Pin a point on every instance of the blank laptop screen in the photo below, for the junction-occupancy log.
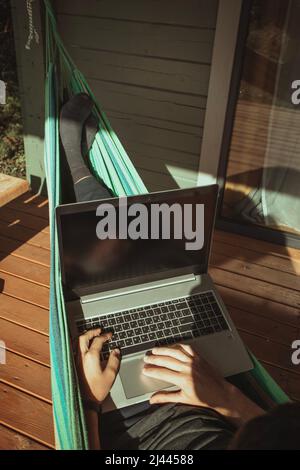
(159, 240)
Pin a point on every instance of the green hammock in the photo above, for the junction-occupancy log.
(108, 160)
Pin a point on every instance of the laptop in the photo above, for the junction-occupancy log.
(146, 280)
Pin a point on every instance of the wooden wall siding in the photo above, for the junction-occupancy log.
(148, 62)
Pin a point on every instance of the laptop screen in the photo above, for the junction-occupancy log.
(122, 240)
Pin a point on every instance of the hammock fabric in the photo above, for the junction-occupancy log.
(109, 161)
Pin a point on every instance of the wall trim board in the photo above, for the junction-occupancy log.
(227, 28)
(31, 76)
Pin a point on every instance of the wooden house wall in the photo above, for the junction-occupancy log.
(148, 62)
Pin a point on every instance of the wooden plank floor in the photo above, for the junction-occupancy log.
(25, 395)
(257, 280)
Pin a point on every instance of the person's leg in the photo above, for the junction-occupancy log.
(114, 426)
(164, 427)
(78, 124)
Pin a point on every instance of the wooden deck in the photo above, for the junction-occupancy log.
(257, 280)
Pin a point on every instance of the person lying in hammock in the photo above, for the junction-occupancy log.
(206, 410)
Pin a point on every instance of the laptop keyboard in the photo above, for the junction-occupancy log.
(160, 324)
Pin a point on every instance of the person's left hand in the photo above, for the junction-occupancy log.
(96, 379)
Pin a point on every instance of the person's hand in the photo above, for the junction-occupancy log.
(198, 383)
(96, 379)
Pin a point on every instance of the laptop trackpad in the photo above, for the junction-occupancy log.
(134, 382)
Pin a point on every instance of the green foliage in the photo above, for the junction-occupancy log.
(12, 159)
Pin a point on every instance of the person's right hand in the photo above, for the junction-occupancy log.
(96, 379)
(198, 383)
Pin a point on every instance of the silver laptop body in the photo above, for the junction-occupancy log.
(142, 282)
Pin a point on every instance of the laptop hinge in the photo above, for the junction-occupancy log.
(140, 288)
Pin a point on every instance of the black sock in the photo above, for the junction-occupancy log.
(88, 189)
(72, 118)
(76, 122)
(89, 133)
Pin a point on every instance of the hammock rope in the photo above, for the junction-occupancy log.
(109, 161)
(32, 32)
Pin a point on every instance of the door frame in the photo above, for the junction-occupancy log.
(220, 84)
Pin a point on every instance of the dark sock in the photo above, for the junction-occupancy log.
(76, 122)
(72, 118)
(89, 134)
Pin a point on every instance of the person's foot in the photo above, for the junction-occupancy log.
(89, 133)
(77, 124)
(72, 118)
